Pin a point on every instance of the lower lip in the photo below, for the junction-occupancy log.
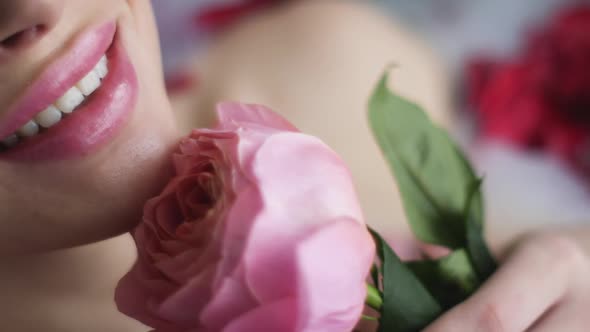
(93, 124)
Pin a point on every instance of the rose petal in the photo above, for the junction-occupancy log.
(231, 300)
(183, 307)
(134, 299)
(303, 184)
(297, 176)
(238, 225)
(332, 265)
(276, 316)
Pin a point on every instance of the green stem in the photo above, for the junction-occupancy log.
(374, 299)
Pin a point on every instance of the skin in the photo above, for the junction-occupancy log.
(58, 205)
(326, 71)
(541, 286)
(79, 201)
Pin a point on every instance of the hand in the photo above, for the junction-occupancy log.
(542, 286)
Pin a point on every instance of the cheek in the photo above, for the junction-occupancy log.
(139, 34)
(145, 24)
(82, 203)
(44, 207)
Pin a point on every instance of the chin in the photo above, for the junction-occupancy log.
(100, 150)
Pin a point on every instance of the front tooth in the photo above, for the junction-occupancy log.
(89, 83)
(101, 67)
(31, 128)
(49, 117)
(70, 100)
(10, 141)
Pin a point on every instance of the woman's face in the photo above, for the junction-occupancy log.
(101, 148)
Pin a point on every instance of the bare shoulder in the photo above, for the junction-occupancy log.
(316, 63)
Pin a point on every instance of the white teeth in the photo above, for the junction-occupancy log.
(70, 100)
(101, 67)
(10, 141)
(49, 117)
(31, 128)
(89, 83)
(66, 104)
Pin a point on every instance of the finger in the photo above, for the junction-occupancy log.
(572, 312)
(531, 281)
(563, 318)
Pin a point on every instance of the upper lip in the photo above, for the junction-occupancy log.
(59, 76)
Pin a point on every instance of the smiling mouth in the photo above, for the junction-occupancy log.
(79, 103)
(61, 108)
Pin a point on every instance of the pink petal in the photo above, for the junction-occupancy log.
(332, 266)
(276, 316)
(183, 307)
(232, 296)
(231, 300)
(304, 185)
(137, 301)
(238, 225)
(302, 180)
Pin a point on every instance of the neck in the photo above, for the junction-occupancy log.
(67, 290)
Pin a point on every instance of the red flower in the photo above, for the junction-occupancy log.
(180, 82)
(220, 16)
(541, 99)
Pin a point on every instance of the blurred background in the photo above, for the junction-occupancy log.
(518, 75)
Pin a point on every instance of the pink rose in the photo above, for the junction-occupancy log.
(260, 230)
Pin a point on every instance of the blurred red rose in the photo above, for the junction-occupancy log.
(219, 16)
(540, 99)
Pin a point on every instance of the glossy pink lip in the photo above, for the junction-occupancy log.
(96, 121)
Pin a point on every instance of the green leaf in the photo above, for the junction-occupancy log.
(430, 172)
(439, 188)
(375, 275)
(407, 304)
(374, 298)
(480, 255)
(366, 317)
(450, 279)
(473, 208)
